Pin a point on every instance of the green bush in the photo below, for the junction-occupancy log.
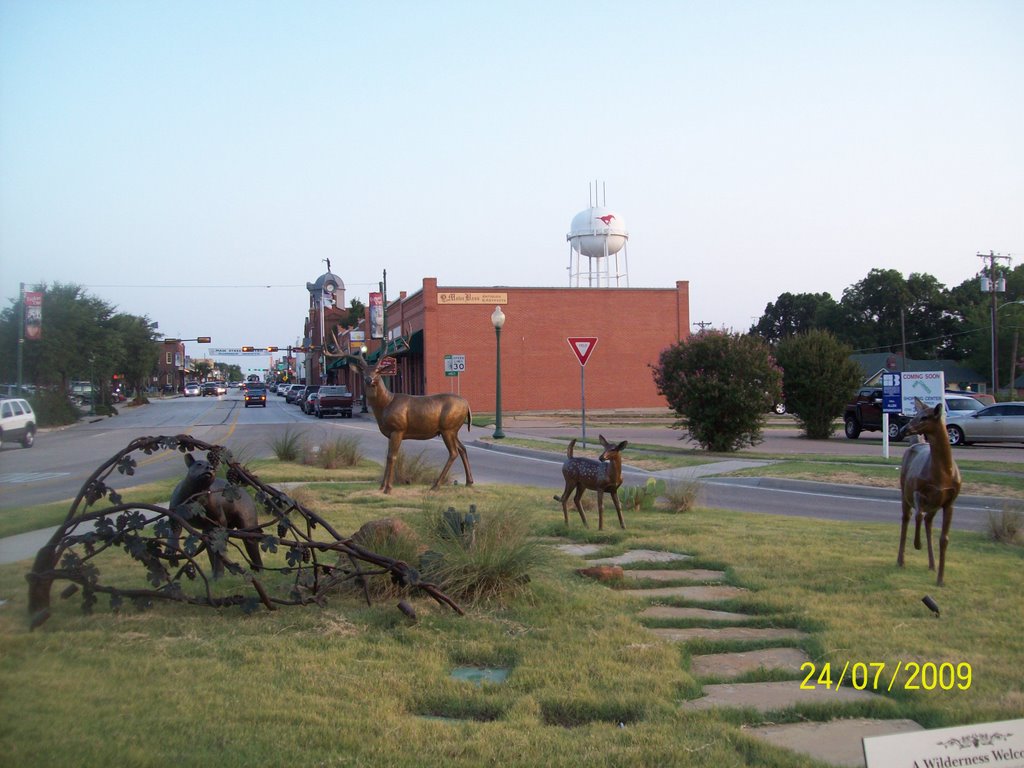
(288, 446)
(818, 380)
(721, 385)
(53, 408)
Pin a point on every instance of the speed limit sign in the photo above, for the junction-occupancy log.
(454, 365)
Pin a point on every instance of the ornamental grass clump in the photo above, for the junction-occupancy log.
(341, 452)
(288, 446)
(480, 557)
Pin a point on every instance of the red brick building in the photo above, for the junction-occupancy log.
(539, 369)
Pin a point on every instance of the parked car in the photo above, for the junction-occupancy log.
(300, 399)
(17, 422)
(255, 396)
(309, 403)
(999, 423)
(333, 399)
(294, 391)
(864, 414)
(192, 390)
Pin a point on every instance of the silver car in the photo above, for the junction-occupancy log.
(999, 423)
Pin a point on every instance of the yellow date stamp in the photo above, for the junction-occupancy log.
(879, 675)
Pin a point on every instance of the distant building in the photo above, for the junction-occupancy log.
(540, 371)
(171, 366)
(955, 375)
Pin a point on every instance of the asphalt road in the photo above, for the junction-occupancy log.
(61, 460)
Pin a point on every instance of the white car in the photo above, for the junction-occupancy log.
(192, 390)
(17, 422)
(999, 423)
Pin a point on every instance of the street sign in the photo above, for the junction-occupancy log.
(454, 365)
(582, 347)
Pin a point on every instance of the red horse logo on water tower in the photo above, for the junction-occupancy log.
(607, 219)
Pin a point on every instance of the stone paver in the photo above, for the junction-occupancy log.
(641, 556)
(580, 550)
(727, 633)
(687, 574)
(837, 742)
(701, 614)
(730, 665)
(717, 593)
(767, 697)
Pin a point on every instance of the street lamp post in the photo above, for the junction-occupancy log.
(497, 320)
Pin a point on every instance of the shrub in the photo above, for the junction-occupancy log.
(817, 381)
(681, 495)
(721, 385)
(53, 408)
(342, 452)
(1007, 527)
(413, 470)
(489, 558)
(390, 538)
(288, 446)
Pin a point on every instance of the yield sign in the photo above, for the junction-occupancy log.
(582, 346)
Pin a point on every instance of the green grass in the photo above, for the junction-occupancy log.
(347, 684)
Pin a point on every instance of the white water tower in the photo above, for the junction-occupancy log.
(599, 235)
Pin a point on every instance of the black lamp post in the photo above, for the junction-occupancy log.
(497, 320)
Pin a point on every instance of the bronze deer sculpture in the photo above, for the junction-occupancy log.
(416, 417)
(601, 475)
(929, 481)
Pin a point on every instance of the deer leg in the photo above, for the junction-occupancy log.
(917, 523)
(618, 507)
(564, 498)
(907, 512)
(394, 446)
(947, 519)
(600, 510)
(449, 443)
(579, 507)
(464, 455)
(928, 532)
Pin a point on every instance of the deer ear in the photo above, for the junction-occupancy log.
(622, 446)
(604, 442)
(937, 411)
(189, 460)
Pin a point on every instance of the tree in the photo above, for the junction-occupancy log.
(791, 314)
(721, 385)
(356, 312)
(817, 380)
(141, 352)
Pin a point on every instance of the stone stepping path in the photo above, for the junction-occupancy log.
(688, 574)
(837, 742)
(734, 634)
(703, 614)
(732, 665)
(712, 594)
(767, 697)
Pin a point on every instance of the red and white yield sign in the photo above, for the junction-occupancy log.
(582, 346)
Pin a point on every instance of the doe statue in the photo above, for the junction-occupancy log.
(415, 417)
(601, 475)
(929, 481)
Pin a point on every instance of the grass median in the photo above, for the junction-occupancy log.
(351, 684)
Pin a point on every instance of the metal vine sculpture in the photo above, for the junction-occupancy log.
(168, 541)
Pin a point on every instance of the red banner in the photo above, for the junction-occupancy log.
(33, 315)
(376, 315)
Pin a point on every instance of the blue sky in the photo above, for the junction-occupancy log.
(753, 148)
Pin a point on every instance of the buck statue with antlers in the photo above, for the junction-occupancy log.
(415, 417)
(929, 481)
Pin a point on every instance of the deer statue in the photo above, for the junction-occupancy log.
(929, 481)
(415, 417)
(604, 474)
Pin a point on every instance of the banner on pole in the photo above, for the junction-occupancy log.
(33, 315)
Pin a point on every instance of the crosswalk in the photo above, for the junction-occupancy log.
(21, 478)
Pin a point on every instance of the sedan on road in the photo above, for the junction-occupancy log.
(255, 396)
(192, 389)
(999, 423)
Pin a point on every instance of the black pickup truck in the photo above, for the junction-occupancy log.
(333, 399)
(864, 414)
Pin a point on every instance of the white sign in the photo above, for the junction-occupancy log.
(454, 365)
(995, 744)
(927, 386)
(234, 351)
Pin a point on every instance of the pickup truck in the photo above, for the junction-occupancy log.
(864, 414)
(334, 399)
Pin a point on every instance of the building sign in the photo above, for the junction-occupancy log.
(376, 315)
(892, 393)
(467, 297)
(232, 351)
(33, 315)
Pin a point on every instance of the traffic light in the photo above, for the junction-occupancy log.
(203, 340)
(271, 349)
(248, 349)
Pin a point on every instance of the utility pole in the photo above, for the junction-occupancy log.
(993, 285)
(702, 326)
